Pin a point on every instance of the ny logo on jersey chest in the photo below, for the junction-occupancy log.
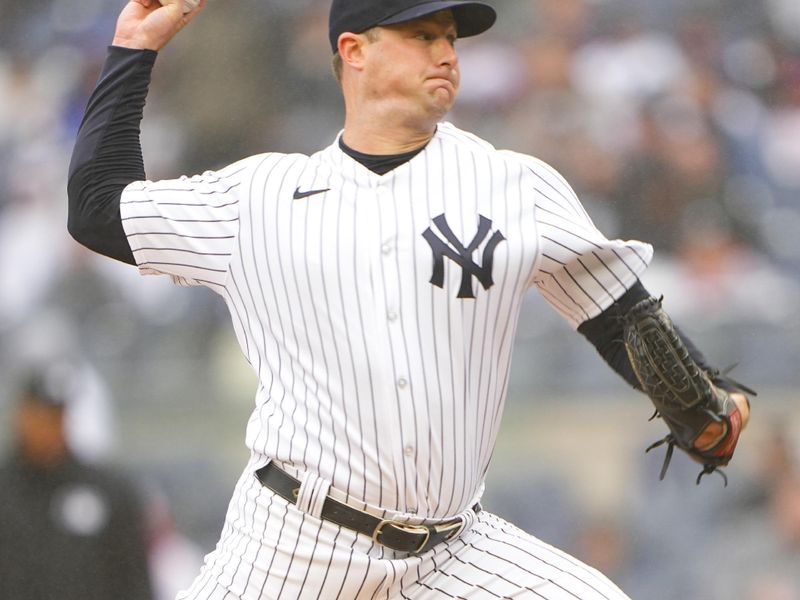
(451, 247)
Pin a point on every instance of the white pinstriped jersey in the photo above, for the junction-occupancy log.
(379, 311)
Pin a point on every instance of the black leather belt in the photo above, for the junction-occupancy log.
(413, 539)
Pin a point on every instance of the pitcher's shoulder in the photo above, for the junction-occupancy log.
(465, 140)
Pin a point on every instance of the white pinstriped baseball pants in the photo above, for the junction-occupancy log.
(270, 549)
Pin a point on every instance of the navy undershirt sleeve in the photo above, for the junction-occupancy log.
(605, 333)
(107, 155)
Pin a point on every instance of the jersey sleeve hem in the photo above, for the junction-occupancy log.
(580, 294)
(578, 270)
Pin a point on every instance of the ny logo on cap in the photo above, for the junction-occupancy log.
(452, 248)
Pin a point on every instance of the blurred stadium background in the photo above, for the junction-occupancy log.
(677, 122)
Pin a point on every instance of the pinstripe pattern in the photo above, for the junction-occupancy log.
(371, 375)
(272, 550)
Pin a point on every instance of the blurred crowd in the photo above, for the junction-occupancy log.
(676, 121)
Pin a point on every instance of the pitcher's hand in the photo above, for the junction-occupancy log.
(150, 24)
(712, 434)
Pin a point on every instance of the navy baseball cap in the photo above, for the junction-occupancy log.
(357, 16)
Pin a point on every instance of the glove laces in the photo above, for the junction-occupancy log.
(671, 443)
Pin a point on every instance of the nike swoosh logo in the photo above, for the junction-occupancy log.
(298, 195)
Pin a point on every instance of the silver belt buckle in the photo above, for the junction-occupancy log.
(448, 528)
(405, 527)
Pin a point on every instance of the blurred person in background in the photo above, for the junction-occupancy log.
(68, 530)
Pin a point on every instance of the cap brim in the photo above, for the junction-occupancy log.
(471, 18)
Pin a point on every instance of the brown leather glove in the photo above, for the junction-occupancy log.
(684, 395)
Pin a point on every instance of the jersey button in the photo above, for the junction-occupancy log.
(409, 450)
(386, 249)
(402, 383)
(392, 316)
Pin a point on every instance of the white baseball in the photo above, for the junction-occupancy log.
(189, 5)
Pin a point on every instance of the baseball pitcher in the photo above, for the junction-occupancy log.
(375, 288)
